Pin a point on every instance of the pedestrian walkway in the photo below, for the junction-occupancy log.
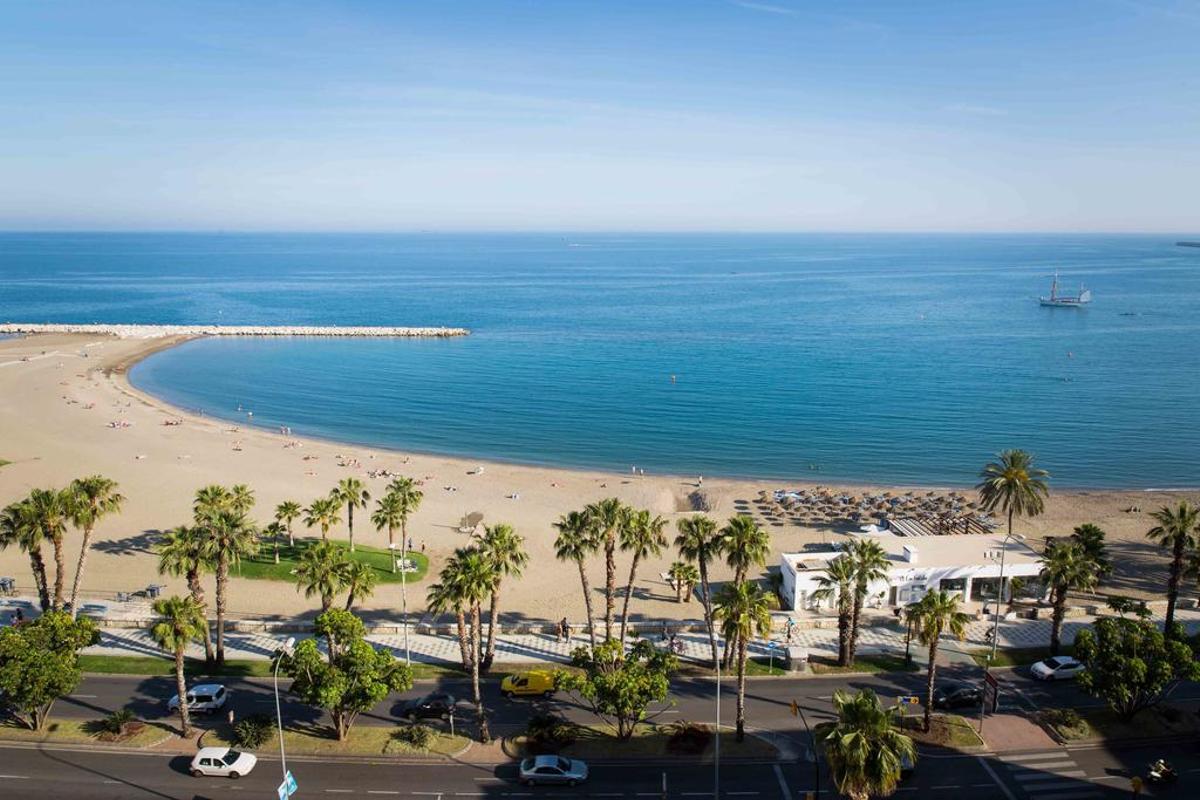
(1049, 776)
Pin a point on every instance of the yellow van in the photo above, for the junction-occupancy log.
(527, 683)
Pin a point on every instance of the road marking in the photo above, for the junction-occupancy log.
(380, 791)
(996, 778)
(696, 794)
(948, 786)
(340, 791)
(88, 696)
(468, 794)
(15, 777)
(1037, 777)
(1022, 757)
(783, 787)
(742, 794)
(1043, 766)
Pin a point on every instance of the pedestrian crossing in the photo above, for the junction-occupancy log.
(1049, 776)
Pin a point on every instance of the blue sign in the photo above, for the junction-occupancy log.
(288, 787)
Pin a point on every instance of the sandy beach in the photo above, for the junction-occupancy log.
(61, 393)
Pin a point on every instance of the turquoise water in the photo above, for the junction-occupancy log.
(872, 358)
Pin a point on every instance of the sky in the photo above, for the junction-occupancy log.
(689, 115)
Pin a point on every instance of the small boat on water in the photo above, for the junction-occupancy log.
(1057, 300)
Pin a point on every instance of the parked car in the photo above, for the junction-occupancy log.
(553, 769)
(528, 683)
(205, 698)
(222, 762)
(93, 610)
(432, 706)
(953, 694)
(906, 768)
(1057, 668)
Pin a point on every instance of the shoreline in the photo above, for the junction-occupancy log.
(138, 331)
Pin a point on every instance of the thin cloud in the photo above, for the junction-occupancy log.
(766, 7)
(977, 110)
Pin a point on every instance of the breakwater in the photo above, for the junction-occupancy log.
(163, 331)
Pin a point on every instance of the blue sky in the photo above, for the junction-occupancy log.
(609, 115)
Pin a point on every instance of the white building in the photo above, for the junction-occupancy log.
(967, 565)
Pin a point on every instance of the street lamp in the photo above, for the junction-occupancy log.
(287, 649)
(1000, 594)
(403, 593)
(717, 741)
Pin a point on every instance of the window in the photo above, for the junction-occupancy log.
(547, 771)
(231, 757)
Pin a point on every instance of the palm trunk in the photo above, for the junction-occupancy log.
(291, 538)
(59, 569)
(275, 541)
(929, 679)
(1173, 585)
(181, 689)
(855, 615)
(403, 591)
(485, 735)
(741, 695)
(197, 591)
(678, 590)
(628, 594)
(392, 546)
(37, 562)
(463, 646)
(1056, 619)
(350, 600)
(83, 554)
(843, 639)
(587, 601)
(493, 622)
(350, 520)
(706, 598)
(610, 584)
(222, 585)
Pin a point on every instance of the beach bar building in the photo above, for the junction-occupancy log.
(968, 565)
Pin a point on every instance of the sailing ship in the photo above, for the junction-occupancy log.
(1065, 300)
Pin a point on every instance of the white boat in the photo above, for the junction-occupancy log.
(1057, 300)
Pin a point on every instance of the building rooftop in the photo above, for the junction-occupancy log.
(932, 551)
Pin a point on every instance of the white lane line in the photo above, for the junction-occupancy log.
(948, 786)
(995, 778)
(88, 696)
(1039, 777)
(783, 787)
(15, 777)
(340, 791)
(380, 791)
(1023, 757)
(1044, 766)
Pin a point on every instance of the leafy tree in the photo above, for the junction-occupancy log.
(576, 541)
(619, 686)
(351, 493)
(838, 582)
(183, 552)
(505, 553)
(935, 614)
(608, 517)
(684, 576)
(39, 663)
(643, 536)
(229, 537)
(743, 611)
(322, 571)
(697, 542)
(1091, 538)
(870, 565)
(18, 526)
(351, 678)
(864, 748)
(1131, 664)
(323, 513)
(1014, 485)
(181, 621)
(89, 500)
(285, 514)
(360, 580)
(1066, 567)
(1127, 605)
(1176, 531)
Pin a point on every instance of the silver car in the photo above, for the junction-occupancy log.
(553, 769)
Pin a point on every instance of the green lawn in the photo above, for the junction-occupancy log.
(946, 730)
(263, 566)
(82, 731)
(248, 668)
(648, 741)
(363, 740)
(870, 663)
(1017, 656)
(1100, 724)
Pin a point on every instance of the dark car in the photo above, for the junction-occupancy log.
(957, 695)
(431, 706)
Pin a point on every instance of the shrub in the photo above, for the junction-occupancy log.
(114, 724)
(686, 738)
(253, 732)
(549, 732)
(412, 737)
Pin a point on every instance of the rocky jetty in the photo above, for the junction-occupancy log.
(163, 331)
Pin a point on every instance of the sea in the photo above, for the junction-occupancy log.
(861, 358)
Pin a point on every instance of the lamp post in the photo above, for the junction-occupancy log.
(717, 740)
(1000, 594)
(286, 650)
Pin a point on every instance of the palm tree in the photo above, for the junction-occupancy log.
(17, 527)
(323, 512)
(743, 611)
(684, 576)
(183, 552)
(608, 517)
(644, 537)
(285, 514)
(744, 544)
(89, 500)
(322, 570)
(697, 542)
(935, 614)
(241, 498)
(275, 530)
(360, 580)
(870, 566)
(181, 621)
(1091, 538)
(211, 499)
(1066, 567)
(838, 582)
(505, 553)
(410, 500)
(389, 511)
(467, 579)
(576, 541)
(48, 512)
(443, 597)
(1013, 484)
(1176, 530)
(352, 493)
(865, 750)
(229, 537)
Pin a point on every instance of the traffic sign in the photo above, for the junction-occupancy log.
(288, 787)
(990, 679)
(908, 700)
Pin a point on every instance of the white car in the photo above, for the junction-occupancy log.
(205, 698)
(1057, 668)
(222, 762)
